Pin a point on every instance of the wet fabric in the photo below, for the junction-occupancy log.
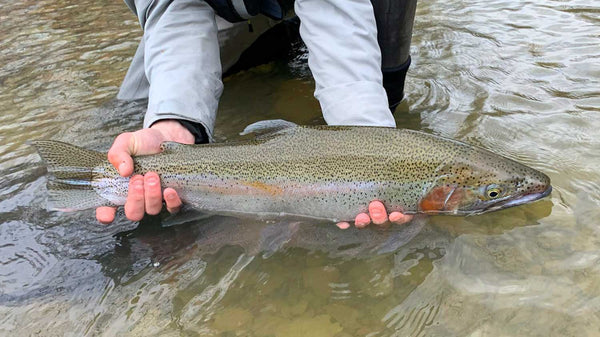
(178, 64)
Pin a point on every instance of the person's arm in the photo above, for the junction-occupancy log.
(182, 64)
(183, 72)
(345, 60)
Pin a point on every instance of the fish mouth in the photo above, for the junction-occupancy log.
(519, 201)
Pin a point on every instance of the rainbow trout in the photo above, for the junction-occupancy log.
(324, 172)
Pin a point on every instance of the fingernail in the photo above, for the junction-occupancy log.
(122, 167)
(138, 183)
(152, 181)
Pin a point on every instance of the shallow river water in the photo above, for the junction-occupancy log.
(521, 78)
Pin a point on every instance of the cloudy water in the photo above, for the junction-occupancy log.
(519, 78)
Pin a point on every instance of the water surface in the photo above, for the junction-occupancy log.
(519, 78)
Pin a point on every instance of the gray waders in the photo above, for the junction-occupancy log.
(394, 19)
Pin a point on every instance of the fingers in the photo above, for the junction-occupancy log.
(152, 193)
(399, 218)
(172, 200)
(119, 154)
(362, 220)
(106, 215)
(134, 206)
(343, 225)
(378, 213)
(379, 216)
(144, 196)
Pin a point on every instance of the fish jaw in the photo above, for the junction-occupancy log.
(527, 198)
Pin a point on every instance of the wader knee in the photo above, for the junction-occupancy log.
(395, 20)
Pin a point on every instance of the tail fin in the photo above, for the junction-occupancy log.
(71, 169)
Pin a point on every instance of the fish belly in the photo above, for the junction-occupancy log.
(335, 201)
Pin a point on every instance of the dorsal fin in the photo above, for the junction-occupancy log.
(268, 126)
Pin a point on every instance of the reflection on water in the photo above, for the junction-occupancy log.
(520, 78)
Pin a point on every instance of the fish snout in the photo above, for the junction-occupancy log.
(538, 185)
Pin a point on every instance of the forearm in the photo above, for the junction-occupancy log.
(344, 57)
(181, 62)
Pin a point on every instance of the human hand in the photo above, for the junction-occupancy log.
(144, 195)
(378, 215)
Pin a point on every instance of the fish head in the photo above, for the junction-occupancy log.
(483, 182)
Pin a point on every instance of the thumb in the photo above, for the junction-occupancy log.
(141, 142)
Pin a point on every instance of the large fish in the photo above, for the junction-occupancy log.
(324, 172)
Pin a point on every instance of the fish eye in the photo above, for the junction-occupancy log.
(493, 192)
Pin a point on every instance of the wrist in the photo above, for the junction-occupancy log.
(173, 131)
(197, 130)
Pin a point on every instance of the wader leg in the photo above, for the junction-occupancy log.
(395, 20)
